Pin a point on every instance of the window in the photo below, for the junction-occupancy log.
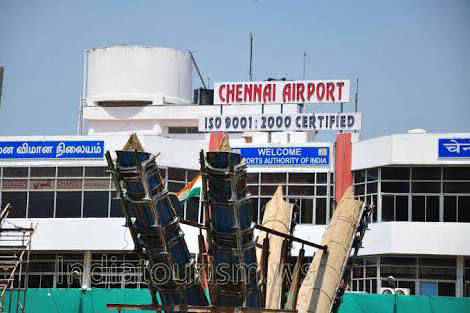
(321, 191)
(95, 204)
(395, 173)
(97, 171)
(301, 178)
(41, 204)
(69, 204)
(273, 178)
(419, 209)
(450, 209)
(360, 176)
(446, 289)
(191, 174)
(320, 211)
(17, 201)
(176, 205)
(396, 187)
(432, 209)
(192, 209)
(426, 187)
(70, 172)
(321, 178)
(253, 190)
(401, 208)
(43, 171)
(252, 178)
(457, 173)
(464, 209)
(177, 174)
(306, 209)
(15, 172)
(456, 187)
(175, 187)
(426, 173)
(433, 275)
(388, 208)
(360, 189)
(66, 265)
(116, 209)
(394, 208)
(299, 190)
(183, 130)
(307, 190)
(372, 174)
(254, 207)
(270, 190)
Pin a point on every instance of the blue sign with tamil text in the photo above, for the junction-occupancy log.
(285, 156)
(52, 149)
(454, 148)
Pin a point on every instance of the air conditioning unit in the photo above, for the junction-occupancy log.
(386, 291)
(397, 291)
(402, 291)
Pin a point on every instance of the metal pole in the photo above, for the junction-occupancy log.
(251, 57)
(1, 82)
(84, 94)
(305, 57)
(357, 94)
(197, 69)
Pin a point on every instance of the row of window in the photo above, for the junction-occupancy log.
(174, 174)
(61, 204)
(74, 192)
(413, 187)
(307, 191)
(425, 173)
(422, 275)
(123, 270)
(418, 194)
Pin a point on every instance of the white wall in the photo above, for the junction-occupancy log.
(160, 75)
(402, 149)
(402, 238)
(68, 234)
(100, 120)
(382, 238)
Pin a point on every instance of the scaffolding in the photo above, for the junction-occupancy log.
(15, 248)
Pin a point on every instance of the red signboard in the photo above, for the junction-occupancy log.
(270, 92)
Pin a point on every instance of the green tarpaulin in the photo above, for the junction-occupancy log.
(372, 303)
(94, 301)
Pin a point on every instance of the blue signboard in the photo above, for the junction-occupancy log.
(51, 149)
(454, 148)
(285, 156)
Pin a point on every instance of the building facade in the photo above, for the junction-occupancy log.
(420, 228)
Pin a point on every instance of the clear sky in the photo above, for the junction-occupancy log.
(412, 58)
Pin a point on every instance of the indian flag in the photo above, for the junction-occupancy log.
(192, 189)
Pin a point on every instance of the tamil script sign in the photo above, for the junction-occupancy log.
(285, 156)
(269, 92)
(454, 148)
(51, 149)
(280, 122)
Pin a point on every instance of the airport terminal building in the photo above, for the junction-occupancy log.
(419, 182)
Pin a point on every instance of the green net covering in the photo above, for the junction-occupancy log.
(95, 300)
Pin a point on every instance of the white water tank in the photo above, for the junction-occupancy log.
(134, 75)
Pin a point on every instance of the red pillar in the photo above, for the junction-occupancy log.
(343, 164)
(215, 140)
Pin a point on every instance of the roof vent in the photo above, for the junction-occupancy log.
(417, 131)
